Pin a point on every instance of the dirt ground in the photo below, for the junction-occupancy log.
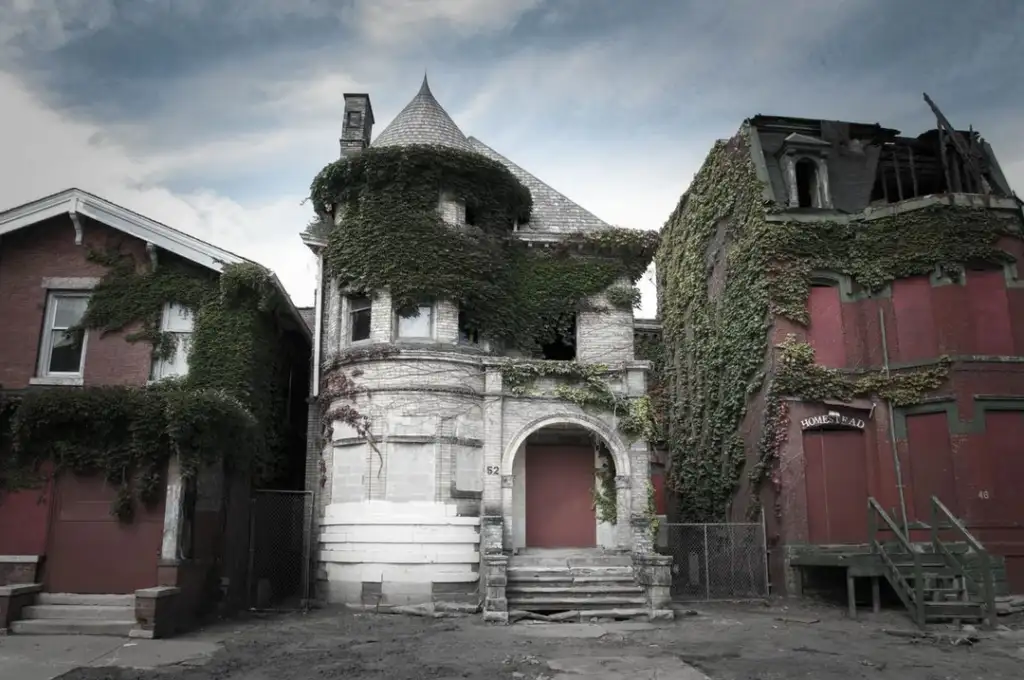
(723, 642)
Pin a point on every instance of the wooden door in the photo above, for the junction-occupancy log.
(559, 497)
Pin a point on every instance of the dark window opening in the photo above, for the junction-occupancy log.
(470, 215)
(354, 118)
(806, 183)
(468, 334)
(359, 317)
(563, 346)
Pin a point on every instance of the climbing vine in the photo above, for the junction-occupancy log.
(605, 493)
(391, 235)
(725, 270)
(587, 386)
(228, 407)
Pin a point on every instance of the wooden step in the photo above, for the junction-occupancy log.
(952, 610)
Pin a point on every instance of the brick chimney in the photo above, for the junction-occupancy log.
(357, 125)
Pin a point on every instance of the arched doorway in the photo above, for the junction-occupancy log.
(568, 487)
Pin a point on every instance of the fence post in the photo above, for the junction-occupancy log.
(764, 552)
(707, 567)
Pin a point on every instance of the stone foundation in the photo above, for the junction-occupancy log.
(495, 582)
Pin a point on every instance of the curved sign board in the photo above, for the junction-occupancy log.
(832, 419)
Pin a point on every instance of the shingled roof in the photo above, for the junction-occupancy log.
(423, 121)
(553, 212)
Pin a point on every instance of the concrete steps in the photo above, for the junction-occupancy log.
(574, 586)
(71, 614)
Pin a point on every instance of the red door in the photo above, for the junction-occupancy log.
(559, 497)
(89, 551)
(837, 487)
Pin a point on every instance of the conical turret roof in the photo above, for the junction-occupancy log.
(423, 121)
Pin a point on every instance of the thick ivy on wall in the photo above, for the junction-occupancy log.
(724, 270)
(392, 236)
(230, 406)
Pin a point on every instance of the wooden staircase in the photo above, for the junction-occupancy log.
(946, 579)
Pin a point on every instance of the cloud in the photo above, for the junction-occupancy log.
(45, 152)
(213, 116)
(409, 23)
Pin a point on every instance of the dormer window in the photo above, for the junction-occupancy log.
(804, 161)
(807, 184)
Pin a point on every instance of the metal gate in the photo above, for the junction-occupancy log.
(718, 561)
(280, 537)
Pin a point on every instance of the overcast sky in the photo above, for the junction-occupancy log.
(213, 116)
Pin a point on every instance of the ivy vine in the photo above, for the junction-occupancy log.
(724, 271)
(379, 214)
(605, 493)
(229, 406)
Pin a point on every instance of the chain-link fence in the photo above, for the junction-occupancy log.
(280, 549)
(718, 561)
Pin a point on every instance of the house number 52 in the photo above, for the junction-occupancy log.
(492, 469)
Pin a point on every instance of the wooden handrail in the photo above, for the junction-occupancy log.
(898, 581)
(985, 561)
(873, 504)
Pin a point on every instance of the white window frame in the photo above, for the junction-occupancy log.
(349, 326)
(418, 338)
(159, 370)
(46, 346)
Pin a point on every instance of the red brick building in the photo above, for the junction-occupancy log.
(880, 272)
(63, 535)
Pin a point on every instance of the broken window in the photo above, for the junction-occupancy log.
(468, 335)
(807, 183)
(470, 215)
(359, 317)
(563, 346)
(416, 322)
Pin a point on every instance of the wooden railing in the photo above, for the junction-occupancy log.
(911, 595)
(940, 513)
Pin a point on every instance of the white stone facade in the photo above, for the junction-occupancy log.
(400, 518)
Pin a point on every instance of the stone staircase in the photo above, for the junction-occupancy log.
(574, 585)
(70, 614)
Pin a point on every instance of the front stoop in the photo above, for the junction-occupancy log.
(572, 586)
(74, 614)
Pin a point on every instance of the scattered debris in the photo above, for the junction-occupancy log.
(797, 619)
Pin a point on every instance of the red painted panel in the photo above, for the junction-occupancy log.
(915, 325)
(90, 551)
(837, 487)
(825, 331)
(950, 307)
(559, 497)
(990, 313)
(23, 520)
(931, 470)
(1015, 300)
(1004, 438)
(660, 499)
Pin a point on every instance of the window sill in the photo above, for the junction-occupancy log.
(419, 339)
(70, 381)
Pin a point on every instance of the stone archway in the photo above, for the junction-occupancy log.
(558, 485)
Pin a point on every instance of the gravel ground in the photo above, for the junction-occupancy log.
(724, 642)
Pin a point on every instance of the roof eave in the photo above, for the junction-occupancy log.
(77, 201)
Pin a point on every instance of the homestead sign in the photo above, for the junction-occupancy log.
(831, 419)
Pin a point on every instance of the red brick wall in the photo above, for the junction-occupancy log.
(48, 250)
(27, 256)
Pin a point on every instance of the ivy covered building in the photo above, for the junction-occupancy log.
(841, 312)
(478, 390)
(147, 381)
